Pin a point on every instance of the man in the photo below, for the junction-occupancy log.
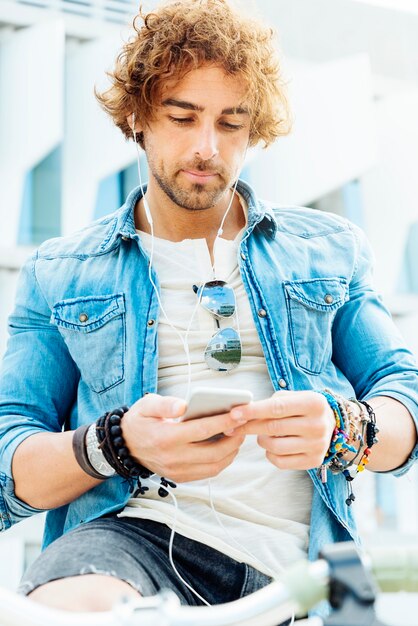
(109, 317)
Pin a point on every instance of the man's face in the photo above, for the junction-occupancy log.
(196, 143)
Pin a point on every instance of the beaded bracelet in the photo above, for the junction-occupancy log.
(346, 433)
(356, 431)
(371, 436)
(358, 425)
(116, 452)
(340, 437)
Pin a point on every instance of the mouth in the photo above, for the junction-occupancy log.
(199, 177)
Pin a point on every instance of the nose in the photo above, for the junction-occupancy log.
(206, 146)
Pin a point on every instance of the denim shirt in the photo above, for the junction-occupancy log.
(83, 340)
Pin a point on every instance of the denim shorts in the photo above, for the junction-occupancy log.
(136, 551)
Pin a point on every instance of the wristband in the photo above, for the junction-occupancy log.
(95, 454)
(348, 432)
(80, 452)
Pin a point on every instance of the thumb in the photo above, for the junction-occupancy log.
(154, 405)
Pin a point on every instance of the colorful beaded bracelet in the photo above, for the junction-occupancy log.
(356, 434)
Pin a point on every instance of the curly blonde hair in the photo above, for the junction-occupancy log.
(182, 35)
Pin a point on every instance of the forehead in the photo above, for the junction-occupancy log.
(208, 87)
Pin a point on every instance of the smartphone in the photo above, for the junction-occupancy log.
(206, 401)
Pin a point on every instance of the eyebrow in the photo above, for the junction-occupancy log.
(189, 106)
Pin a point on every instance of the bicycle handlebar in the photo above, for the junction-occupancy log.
(302, 587)
(395, 568)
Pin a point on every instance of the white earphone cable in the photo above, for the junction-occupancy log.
(184, 342)
(148, 214)
(170, 547)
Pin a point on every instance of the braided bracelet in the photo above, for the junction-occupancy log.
(340, 437)
(347, 433)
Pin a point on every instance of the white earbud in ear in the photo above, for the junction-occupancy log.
(146, 205)
(133, 126)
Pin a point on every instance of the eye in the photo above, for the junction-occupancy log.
(229, 126)
(180, 120)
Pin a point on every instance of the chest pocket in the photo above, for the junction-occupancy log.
(93, 327)
(311, 306)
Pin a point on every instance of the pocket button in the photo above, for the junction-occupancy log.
(83, 317)
(329, 299)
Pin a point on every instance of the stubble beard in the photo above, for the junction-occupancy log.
(195, 198)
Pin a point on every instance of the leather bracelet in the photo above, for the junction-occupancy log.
(95, 454)
(80, 452)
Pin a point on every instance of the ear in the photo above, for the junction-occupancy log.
(134, 122)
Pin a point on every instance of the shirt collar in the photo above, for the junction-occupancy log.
(123, 224)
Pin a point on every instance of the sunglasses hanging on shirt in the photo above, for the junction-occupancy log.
(223, 352)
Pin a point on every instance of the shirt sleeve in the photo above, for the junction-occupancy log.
(38, 383)
(367, 346)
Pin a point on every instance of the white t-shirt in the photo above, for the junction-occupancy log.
(262, 510)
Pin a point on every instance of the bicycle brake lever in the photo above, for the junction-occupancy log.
(352, 587)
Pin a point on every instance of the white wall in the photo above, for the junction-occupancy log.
(11, 259)
(93, 147)
(322, 30)
(390, 188)
(333, 140)
(31, 111)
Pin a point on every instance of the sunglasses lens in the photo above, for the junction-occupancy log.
(223, 351)
(218, 298)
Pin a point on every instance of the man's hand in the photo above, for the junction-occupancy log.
(179, 451)
(294, 427)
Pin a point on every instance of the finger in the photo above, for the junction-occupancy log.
(205, 452)
(291, 462)
(199, 471)
(204, 455)
(166, 439)
(283, 446)
(284, 427)
(204, 427)
(154, 405)
(214, 451)
(282, 404)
